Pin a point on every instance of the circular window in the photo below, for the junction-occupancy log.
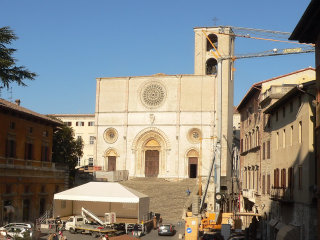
(153, 94)
(110, 135)
(194, 135)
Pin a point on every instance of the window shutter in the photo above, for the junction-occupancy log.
(263, 184)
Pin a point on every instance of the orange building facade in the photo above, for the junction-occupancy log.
(28, 177)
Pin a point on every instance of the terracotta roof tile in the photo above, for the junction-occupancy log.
(17, 108)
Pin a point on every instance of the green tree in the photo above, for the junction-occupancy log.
(9, 72)
(66, 149)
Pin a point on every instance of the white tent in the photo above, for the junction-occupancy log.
(101, 198)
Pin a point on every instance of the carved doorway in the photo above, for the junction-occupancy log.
(193, 157)
(112, 163)
(152, 154)
(152, 163)
(110, 156)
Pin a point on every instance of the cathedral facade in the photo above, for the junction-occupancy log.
(166, 125)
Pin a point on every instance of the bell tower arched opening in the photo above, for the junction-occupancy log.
(211, 66)
(214, 39)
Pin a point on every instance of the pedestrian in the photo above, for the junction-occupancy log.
(188, 192)
(136, 230)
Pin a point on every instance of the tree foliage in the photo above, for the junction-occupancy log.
(66, 149)
(9, 72)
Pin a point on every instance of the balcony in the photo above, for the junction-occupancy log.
(26, 164)
(282, 195)
(275, 92)
(250, 194)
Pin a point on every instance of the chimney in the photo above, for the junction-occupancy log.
(18, 102)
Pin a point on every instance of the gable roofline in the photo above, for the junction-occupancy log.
(12, 107)
(258, 85)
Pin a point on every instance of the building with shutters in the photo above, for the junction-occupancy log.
(84, 128)
(165, 125)
(276, 149)
(28, 178)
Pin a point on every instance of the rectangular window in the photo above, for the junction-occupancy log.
(12, 125)
(45, 153)
(79, 138)
(291, 135)
(300, 177)
(263, 184)
(276, 178)
(257, 185)
(91, 140)
(10, 148)
(290, 178)
(241, 145)
(79, 124)
(28, 151)
(283, 178)
(69, 124)
(277, 140)
(253, 186)
(90, 162)
(268, 149)
(268, 184)
(264, 151)
(300, 132)
(90, 124)
(284, 138)
(249, 180)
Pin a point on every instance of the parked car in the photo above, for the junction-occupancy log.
(166, 230)
(26, 225)
(21, 232)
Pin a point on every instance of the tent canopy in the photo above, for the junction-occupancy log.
(101, 192)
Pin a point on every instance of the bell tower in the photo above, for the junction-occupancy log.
(212, 46)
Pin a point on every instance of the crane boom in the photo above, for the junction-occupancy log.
(274, 52)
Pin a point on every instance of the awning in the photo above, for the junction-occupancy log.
(273, 222)
(288, 232)
(101, 192)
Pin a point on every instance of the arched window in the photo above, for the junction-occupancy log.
(214, 39)
(211, 66)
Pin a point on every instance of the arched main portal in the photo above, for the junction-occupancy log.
(150, 147)
(193, 157)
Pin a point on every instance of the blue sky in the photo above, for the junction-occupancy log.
(71, 43)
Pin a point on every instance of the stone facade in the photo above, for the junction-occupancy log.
(166, 125)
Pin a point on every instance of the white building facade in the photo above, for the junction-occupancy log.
(84, 127)
(166, 125)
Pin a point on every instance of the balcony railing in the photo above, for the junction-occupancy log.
(22, 163)
(281, 194)
(249, 194)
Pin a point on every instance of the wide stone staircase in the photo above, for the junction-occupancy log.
(167, 197)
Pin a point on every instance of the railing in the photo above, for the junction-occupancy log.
(250, 194)
(47, 214)
(282, 194)
(13, 162)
